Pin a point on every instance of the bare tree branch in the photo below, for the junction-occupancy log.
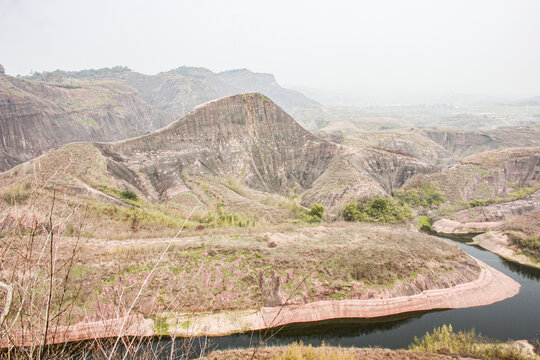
(7, 303)
(146, 281)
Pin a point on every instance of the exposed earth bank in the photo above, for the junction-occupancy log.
(508, 229)
(498, 243)
(490, 287)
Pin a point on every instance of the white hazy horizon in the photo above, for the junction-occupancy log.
(386, 51)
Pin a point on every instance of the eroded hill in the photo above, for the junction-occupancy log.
(243, 159)
(241, 151)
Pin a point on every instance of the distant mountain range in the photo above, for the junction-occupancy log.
(178, 90)
(41, 112)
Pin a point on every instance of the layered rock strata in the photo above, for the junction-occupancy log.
(490, 287)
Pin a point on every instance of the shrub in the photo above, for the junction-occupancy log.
(529, 244)
(317, 210)
(480, 202)
(222, 218)
(379, 209)
(128, 195)
(468, 343)
(351, 213)
(425, 195)
(379, 205)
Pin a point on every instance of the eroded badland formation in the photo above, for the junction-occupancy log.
(282, 224)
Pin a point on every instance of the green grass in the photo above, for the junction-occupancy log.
(91, 122)
(162, 327)
(185, 325)
(220, 217)
(424, 222)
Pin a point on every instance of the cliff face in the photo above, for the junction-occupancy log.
(497, 212)
(247, 137)
(460, 141)
(504, 171)
(234, 82)
(266, 84)
(179, 90)
(170, 92)
(37, 117)
(487, 175)
(439, 147)
(363, 173)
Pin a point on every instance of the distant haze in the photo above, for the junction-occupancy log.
(363, 50)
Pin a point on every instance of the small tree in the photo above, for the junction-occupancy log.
(350, 213)
(317, 210)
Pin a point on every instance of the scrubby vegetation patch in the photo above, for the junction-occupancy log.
(379, 209)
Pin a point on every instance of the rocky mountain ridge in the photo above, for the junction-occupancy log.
(37, 117)
(246, 137)
(178, 90)
(243, 149)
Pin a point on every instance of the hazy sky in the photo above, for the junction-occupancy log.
(375, 48)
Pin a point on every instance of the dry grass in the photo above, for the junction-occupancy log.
(527, 224)
(303, 352)
(221, 270)
(46, 274)
(469, 343)
(524, 233)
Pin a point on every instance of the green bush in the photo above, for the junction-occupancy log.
(128, 195)
(317, 211)
(379, 209)
(480, 202)
(425, 195)
(528, 244)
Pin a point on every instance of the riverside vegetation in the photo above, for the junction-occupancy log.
(443, 343)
